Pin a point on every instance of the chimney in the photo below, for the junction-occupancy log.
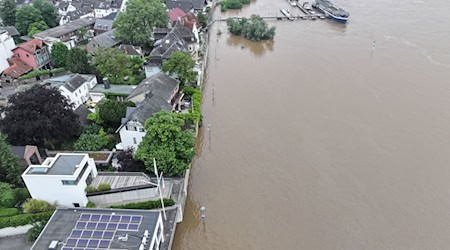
(106, 83)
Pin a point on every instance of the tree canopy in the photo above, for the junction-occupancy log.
(172, 147)
(36, 27)
(135, 25)
(7, 196)
(48, 12)
(255, 28)
(181, 64)
(92, 141)
(110, 113)
(25, 16)
(31, 121)
(59, 54)
(8, 12)
(127, 163)
(77, 61)
(10, 169)
(116, 65)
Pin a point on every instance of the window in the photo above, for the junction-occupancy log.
(134, 140)
(141, 130)
(76, 204)
(27, 55)
(79, 91)
(75, 94)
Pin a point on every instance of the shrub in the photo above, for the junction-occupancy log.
(7, 212)
(7, 196)
(22, 195)
(36, 206)
(35, 231)
(103, 187)
(90, 204)
(90, 189)
(152, 204)
(36, 73)
(24, 219)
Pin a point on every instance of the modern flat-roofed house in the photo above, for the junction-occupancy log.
(74, 87)
(68, 33)
(83, 228)
(6, 46)
(156, 93)
(61, 179)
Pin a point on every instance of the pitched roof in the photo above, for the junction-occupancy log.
(59, 31)
(160, 85)
(31, 46)
(74, 82)
(189, 20)
(131, 50)
(105, 39)
(70, 82)
(82, 113)
(103, 24)
(184, 6)
(12, 31)
(111, 16)
(176, 13)
(19, 151)
(162, 49)
(17, 68)
(151, 105)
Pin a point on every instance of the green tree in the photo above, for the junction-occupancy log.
(10, 169)
(77, 61)
(34, 232)
(31, 121)
(8, 12)
(7, 197)
(172, 147)
(110, 113)
(255, 28)
(48, 12)
(25, 16)
(135, 25)
(36, 27)
(113, 63)
(202, 19)
(181, 64)
(59, 54)
(92, 142)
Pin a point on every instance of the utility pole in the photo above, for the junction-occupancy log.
(203, 215)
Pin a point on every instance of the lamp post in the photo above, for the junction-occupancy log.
(203, 215)
(158, 186)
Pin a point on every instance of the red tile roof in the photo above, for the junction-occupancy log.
(17, 68)
(189, 20)
(176, 13)
(31, 46)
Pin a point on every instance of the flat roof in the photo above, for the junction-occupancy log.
(69, 227)
(117, 89)
(63, 164)
(118, 180)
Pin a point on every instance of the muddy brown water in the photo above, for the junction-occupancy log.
(317, 144)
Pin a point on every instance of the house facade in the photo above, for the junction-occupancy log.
(34, 53)
(61, 179)
(74, 87)
(6, 47)
(156, 93)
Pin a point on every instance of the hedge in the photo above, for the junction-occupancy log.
(36, 73)
(7, 212)
(146, 204)
(24, 219)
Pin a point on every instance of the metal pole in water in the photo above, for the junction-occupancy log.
(203, 215)
(373, 47)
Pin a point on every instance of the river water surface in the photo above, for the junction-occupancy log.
(317, 144)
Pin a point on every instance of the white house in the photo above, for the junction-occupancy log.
(61, 179)
(74, 87)
(103, 8)
(156, 93)
(6, 46)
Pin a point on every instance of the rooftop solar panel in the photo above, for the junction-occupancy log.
(122, 226)
(80, 225)
(105, 217)
(125, 218)
(76, 233)
(71, 242)
(115, 218)
(133, 227)
(93, 243)
(85, 217)
(82, 243)
(104, 244)
(87, 234)
(67, 248)
(95, 217)
(112, 226)
(108, 235)
(97, 234)
(91, 225)
(101, 225)
(136, 219)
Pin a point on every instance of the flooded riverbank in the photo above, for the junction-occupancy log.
(317, 144)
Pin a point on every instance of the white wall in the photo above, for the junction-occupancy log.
(126, 136)
(124, 197)
(80, 95)
(6, 46)
(50, 188)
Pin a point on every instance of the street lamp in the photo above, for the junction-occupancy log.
(159, 187)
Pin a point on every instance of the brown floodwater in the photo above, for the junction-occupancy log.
(315, 143)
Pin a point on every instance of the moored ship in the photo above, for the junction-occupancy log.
(336, 13)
